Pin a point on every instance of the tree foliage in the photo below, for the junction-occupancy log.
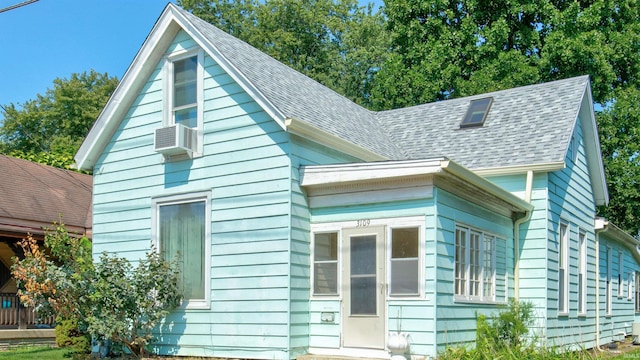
(109, 300)
(50, 128)
(336, 42)
(451, 48)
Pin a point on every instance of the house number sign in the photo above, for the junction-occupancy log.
(363, 222)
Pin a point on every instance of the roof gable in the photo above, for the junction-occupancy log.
(526, 128)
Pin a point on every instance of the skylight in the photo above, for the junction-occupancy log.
(477, 112)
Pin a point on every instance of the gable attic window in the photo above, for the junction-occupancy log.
(183, 105)
(477, 112)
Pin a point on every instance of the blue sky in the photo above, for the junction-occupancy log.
(52, 39)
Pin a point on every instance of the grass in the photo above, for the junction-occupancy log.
(34, 353)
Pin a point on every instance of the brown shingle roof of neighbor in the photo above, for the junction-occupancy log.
(33, 196)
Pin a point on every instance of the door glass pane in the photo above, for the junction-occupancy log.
(363, 275)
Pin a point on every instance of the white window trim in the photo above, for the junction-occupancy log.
(630, 285)
(155, 231)
(313, 264)
(582, 269)
(608, 290)
(421, 264)
(467, 297)
(563, 259)
(620, 274)
(637, 292)
(167, 93)
(403, 222)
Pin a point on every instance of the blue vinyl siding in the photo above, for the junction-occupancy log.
(614, 327)
(306, 328)
(246, 167)
(456, 320)
(533, 243)
(571, 201)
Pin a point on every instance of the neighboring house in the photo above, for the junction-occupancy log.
(310, 225)
(32, 197)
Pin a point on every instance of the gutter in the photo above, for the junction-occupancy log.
(484, 184)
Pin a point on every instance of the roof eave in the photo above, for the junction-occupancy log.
(315, 134)
(169, 23)
(132, 81)
(520, 169)
(485, 185)
(592, 146)
(602, 225)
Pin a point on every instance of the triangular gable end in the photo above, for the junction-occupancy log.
(170, 22)
(592, 147)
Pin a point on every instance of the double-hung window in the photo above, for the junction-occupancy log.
(608, 295)
(182, 233)
(405, 263)
(620, 272)
(582, 272)
(184, 88)
(183, 95)
(563, 269)
(637, 291)
(474, 265)
(325, 263)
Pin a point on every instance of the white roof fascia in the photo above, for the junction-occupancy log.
(343, 173)
(484, 184)
(602, 225)
(315, 134)
(228, 66)
(520, 169)
(592, 146)
(125, 93)
(145, 61)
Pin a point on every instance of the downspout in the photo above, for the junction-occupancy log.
(516, 235)
(599, 228)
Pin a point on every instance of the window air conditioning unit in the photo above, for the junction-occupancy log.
(175, 139)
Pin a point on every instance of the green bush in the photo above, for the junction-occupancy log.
(506, 336)
(68, 335)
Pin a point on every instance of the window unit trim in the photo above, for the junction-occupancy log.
(168, 92)
(582, 271)
(480, 298)
(338, 263)
(563, 265)
(184, 198)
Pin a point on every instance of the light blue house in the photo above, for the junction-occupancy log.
(310, 225)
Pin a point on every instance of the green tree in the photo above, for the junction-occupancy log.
(51, 128)
(451, 48)
(336, 42)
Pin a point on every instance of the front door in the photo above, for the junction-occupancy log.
(364, 288)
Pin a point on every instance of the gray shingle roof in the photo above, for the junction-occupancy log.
(298, 96)
(37, 193)
(525, 126)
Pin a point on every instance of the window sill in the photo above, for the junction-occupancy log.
(563, 314)
(406, 297)
(474, 301)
